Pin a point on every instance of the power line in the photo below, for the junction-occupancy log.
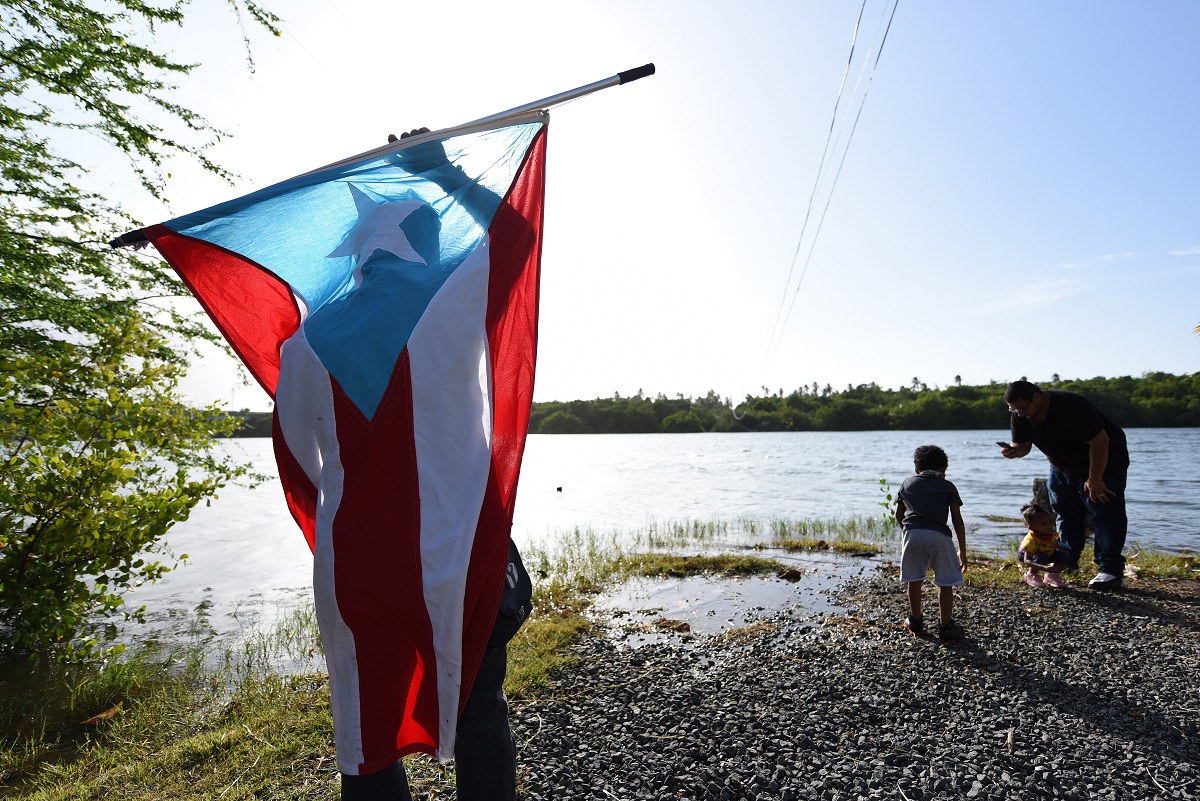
(816, 183)
(776, 336)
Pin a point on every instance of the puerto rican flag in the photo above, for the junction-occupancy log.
(389, 305)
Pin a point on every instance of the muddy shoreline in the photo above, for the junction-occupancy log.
(1054, 694)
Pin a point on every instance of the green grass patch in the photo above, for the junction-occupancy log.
(665, 565)
(541, 646)
(1003, 570)
(1155, 564)
(271, 739)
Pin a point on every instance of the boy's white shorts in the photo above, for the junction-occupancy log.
(921, 549)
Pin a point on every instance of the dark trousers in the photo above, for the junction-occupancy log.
(1109, 521)
(485, 753)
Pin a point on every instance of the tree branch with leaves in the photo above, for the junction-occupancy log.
(99, 456)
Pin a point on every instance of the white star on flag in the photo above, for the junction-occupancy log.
(378, 228)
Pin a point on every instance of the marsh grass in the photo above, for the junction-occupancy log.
(689, 533)
(851, 535)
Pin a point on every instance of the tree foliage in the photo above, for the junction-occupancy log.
(98, 456)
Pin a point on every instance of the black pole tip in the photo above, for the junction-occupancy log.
(634, 74)
(134, 239)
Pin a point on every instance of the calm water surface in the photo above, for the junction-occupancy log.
(248, 562)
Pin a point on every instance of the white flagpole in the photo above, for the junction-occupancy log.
(136, 239)
(562, 97)
(484, 122)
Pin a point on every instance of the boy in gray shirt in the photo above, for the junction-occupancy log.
(922, 505)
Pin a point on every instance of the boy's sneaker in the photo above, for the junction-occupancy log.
(1055, 580)
(951, 631)
(915, 624)
(1034, 580)
(1105, 581)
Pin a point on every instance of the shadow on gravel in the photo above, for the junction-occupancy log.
(1174, 603)
(1118, 716)
(1102, 660)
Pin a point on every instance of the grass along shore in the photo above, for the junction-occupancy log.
(159, 724)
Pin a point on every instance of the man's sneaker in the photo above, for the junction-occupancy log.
(1055, 580)
(1105, 581)
(1034, 580)
(915, 624)
(951, 631)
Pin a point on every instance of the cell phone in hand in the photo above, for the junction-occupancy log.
(1003, 444)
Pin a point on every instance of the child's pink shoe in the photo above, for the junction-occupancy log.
(1055, 580)
(1034, 580)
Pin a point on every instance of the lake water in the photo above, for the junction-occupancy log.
(248, 562)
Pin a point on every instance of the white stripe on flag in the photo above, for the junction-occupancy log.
(452, 421)
(304, 402)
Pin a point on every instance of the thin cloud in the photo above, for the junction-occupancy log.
(1192, 251)
(1096, 261)
(1189, 270)
(1033, 297)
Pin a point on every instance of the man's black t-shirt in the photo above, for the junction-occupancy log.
(1072, 420)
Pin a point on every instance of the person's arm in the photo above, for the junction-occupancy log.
(429, 161)
(1021, 436)
(1097, 463)
(1038, 567)
(1016, 450)
(960, 530)
(900, 510)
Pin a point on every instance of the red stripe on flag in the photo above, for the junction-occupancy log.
(512, 319)
(377, 573)
(252, 307)
(298, 489)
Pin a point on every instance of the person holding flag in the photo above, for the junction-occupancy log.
(388, 304)
(484, 747)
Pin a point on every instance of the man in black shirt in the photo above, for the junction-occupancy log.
(1089, 461)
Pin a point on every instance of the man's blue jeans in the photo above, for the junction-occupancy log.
(1109, 522)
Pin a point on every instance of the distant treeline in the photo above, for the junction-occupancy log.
(254, 424)
(1155, 400)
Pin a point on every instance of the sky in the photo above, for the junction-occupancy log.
(1017, 195)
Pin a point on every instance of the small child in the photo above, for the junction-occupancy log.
(922, 505)
(1040, 550)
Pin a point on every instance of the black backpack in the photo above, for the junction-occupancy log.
(515, 599)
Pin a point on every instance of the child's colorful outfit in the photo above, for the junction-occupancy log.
(1041, 549)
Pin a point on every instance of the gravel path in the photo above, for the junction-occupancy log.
(1054, 694)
